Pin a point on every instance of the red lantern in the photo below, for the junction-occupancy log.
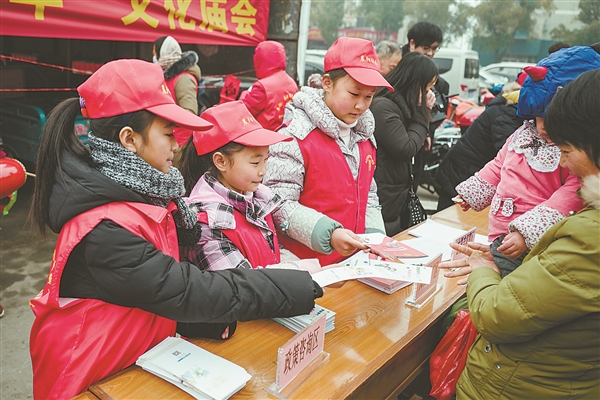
(12, 176)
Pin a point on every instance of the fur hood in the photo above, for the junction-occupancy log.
(188, 61)
(590, 191)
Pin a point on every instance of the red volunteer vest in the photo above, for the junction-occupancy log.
(181, 134)
(76, 342)
(280, 89)
(330, 188)
(250, 241)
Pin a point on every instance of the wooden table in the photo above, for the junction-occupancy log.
(379, 344)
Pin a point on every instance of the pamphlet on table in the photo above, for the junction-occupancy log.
(198, 372)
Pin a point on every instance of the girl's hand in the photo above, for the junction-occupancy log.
(479, 255)
(513, 245)
(345, 242)
(461, 202)
(430, 99)
(225, 333)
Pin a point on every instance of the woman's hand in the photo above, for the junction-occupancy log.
(513, 245)
(461, 202)
(345, 242)
(430, 99)
(479, 255)
(427, 144)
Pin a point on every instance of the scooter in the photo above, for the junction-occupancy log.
(460, 115)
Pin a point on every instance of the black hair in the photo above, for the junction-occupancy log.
(425, 34)
(336, 74)
(58, 135)
(409, 79)
(158, 44)
(557, 46)
(192, 166)
(572, 117)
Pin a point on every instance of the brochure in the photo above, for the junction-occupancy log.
(200, 373)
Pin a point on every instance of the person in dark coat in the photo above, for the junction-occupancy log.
(401, 127)
(426, 38)
(479, 145)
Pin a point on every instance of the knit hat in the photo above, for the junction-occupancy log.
(554, 71)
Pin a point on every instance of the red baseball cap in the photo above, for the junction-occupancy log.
(125, 86)
(359, 60)
(232, 122)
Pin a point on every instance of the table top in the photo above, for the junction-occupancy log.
(371, 327)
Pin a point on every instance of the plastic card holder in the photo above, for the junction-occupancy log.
(299, 358)
(423, 292)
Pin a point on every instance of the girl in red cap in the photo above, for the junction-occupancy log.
(116, 286)
(223, 169)
(325, 175)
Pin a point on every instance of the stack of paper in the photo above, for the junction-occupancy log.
(388, 286)
(198, 372)
(389, 249)
(300, 322)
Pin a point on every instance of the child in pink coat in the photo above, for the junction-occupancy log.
(525, 186)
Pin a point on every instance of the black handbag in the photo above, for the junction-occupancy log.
(416, 211)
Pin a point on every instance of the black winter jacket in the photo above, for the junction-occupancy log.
(399, 138)
(479, 144)
(118, 267)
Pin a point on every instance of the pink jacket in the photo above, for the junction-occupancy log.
(525, 186)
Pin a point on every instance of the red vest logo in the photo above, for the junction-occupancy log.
(370, 161)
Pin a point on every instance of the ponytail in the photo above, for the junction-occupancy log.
(192, 166)
(58, 135)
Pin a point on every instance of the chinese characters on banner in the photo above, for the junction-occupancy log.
(220, 22)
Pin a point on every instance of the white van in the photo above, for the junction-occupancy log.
(460, 68)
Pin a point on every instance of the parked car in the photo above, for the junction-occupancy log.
(209, 89)
(21, 123)
(460, 68)
(508, 69)
(313, 63)
(487, 79)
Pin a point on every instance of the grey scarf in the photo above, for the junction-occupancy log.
(129, 170)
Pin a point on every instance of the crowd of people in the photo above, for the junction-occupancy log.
(173, 222)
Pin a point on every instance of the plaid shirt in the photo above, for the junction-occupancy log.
(214, 251)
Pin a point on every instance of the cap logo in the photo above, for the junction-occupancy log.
(165, 89)
(365, 58)
(248, 120)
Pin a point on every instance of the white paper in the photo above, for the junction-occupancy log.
(377, 269)
(437, 232)
(190, 365)
(373, 238)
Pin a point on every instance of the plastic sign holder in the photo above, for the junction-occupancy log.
(299, 358)
(423, 292)
(463, 240)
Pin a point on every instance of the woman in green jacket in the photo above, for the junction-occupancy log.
(540, 326)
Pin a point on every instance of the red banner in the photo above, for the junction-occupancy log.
(221, 22)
